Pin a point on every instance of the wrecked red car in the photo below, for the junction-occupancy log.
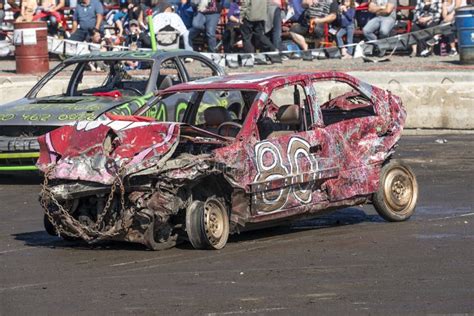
(250, 151)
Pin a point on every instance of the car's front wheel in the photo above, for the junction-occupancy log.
(396, 197)
(207, 224)
(48, 226)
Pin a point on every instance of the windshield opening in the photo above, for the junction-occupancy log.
(99, 78)
(218, 111)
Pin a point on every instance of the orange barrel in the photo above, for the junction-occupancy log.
(31, 47)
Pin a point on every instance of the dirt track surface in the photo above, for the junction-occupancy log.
(346, 262)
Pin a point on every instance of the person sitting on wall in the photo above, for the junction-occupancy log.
(49, 11)
(427, 14)
(312, 20)
(87, 16)
(28, 9)
(385, 17)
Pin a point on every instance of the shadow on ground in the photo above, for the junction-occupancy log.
(348, 216)
(29, 178)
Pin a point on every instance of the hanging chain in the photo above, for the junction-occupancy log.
(47, 197)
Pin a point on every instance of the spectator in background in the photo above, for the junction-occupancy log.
(121, 19)
(28, 9)
(273, 22)
(427, 14)
(206, 19)
(186, 11)
(14, 6)
(170, 21)
(298, 8)
(253, 15)
(2, 15)
(346, 17)
(48, 11)
(96, 38)
(136, 36)
(385, 17)
(447, 12)
(312, 20)
(87, 16)
(232, 28)
(135, 12)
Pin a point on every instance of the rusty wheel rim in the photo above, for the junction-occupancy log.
(214, 222)
(400, 190)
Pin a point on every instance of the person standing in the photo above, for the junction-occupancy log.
(232, 28)
(88, 15)
(169, 20)
(206, 19)
(385, 17)
(186, 11)
(253, 15)
(273, 22)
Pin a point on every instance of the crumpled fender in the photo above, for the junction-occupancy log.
(96, 151)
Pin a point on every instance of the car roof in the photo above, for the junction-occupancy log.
(253, 81)
(138, 55)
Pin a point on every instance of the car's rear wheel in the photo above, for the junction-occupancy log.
(207, 224)
(396, 197)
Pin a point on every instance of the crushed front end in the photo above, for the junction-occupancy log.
(126, 181)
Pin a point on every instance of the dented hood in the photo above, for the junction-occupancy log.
(97, 151)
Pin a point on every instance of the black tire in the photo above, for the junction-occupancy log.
(51, 230)
(396, 197)
(160, 236)
(48, 226)
(207, 224)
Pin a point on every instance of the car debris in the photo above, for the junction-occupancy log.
(250, 151)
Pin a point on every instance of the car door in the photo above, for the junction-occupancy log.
(350, 119)
(291, 158)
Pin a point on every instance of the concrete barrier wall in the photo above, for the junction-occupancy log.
(434, 100)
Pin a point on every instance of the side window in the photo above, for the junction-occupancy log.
(91, 81)
(221, 111)
(231, 101)
(284, 112)
(339, 101)
(169, 75)
(57, 85)
(170, 108)
(197, 69)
